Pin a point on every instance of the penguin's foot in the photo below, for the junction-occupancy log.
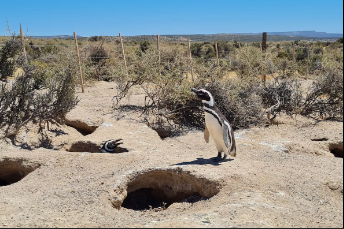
(218, 158)
(224, 157)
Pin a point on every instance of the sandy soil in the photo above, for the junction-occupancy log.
(283, 176)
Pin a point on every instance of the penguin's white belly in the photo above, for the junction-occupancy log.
(215, 131)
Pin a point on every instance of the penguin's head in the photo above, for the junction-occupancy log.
(204, 95)
(111, 145)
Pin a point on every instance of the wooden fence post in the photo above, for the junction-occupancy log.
(158, 46)
(190, 56)
(264, 46)
(217, 54)
(293, 60)
(77, 52)
(23, 44)
(122, 46)
(307, 61)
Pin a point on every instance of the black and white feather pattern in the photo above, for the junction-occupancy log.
(110, 146)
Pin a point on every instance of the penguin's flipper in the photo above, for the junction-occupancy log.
(206, 135)
(225, 132)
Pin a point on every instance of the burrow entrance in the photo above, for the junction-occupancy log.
(161, 188)
(83, 129)
(14, 170)
(92, 147)
(336, 149)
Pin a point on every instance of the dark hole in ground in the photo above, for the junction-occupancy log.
(3, 182)
(337, 152)
(147, 198)
(84, 131)
(162, 188)
(12, 171)
(336, 149)
(162, 132)
(319, 139)
(166, 132)
(92, 147)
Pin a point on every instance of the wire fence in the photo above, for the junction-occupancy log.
(304, 58)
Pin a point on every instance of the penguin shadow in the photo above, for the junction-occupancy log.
(121, 150)
(204, 161)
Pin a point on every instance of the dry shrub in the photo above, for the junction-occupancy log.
(171, 104)
(250, 62)
(325, 97)
(330, 62)
(322, 99)
(145, 71)
(238, 101)
(165, 85)
(287, 93)
(98, 55)
(96, 62)
(28, 99)
(168, 89)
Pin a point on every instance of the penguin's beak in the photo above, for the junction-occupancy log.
(117, 143)
(194, 90)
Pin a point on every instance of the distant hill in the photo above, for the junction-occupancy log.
(227, 37)
(301, 33)
(240, 37)
(56, 36)
(244, 37)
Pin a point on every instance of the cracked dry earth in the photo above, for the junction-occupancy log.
(285, 175)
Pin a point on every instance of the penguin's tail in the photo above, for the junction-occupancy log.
(232, 151)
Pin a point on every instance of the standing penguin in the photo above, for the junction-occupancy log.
(110, 146)
(217, 126)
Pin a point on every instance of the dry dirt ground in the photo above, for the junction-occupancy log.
(284, 175)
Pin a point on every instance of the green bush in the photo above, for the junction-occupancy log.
(98, 55)
(283, 55)
(144, 46)
(301, 54)
(196, 49)
(96, 38)
(8, 55)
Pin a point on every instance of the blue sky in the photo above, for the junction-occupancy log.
(149, 17)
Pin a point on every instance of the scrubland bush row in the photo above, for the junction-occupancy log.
(235, 82)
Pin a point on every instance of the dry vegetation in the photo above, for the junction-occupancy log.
(236, 82)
